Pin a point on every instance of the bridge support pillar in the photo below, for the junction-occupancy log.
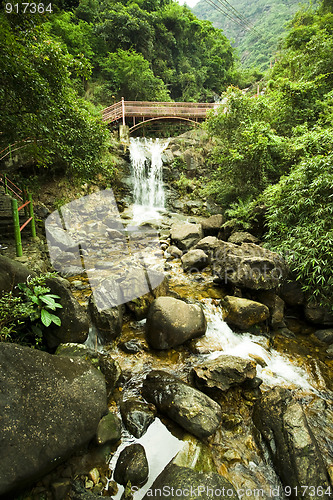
(124, 133)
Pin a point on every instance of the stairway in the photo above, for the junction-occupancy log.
(6, 218)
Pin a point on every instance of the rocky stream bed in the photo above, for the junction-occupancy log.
(187, 366)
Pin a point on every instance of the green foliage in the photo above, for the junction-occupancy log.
(24, 316)
(249, 154)
(243, 211)
(129, 72)
(38, 100)
(300, 212)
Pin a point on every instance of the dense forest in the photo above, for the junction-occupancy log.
(256, 29)
(275, 150)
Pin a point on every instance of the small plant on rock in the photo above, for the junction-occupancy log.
(24, 316)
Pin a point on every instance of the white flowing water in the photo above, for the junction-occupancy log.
(273, 368)
(147, 176)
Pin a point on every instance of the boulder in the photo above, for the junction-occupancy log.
(136, 416)
(12, 273)
(109, 429)
(275, 305)
(243, 313)
(194, 260)
(140, 305)
(185, 236)
(212, 225)
(171, 322)
(325, 335)
(108, 320)
(239, 237)
(223, 372)
(248, 266)
(50, 407)
(318, 315)
(209, 245)
(173, 252)
(132, 465)
(188, 484)
(103, 362)
(291, 292)
(74, 318)
(191, 409)
(291, 443)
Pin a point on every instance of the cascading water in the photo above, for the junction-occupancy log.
(147, 175)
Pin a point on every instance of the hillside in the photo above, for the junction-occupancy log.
(269, 18)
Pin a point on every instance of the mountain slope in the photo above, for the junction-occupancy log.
(268, 17)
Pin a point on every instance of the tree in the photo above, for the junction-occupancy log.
(129, 75)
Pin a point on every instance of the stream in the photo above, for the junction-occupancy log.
(294, 363)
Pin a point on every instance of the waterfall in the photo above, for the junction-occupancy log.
(147, 176)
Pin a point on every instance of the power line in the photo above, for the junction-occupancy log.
(217, 7)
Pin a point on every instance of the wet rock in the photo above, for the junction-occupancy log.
(194, 260)
(171, 322)
(329, 352)
(223, 372)
(50, 406)
(291, 443)
(325, 335)
(318, 315)
(59, 238)
(212, 225)
(74, 319)
(12, 273)
(190, 484)
(108, 366)
(276, 307)
(186, 236)
(80, 493)
(61, 488)
(136, 416)
(130, 347)
(209, 245)
(291, 292)
(108, 430)
(243, 313)
(109, 320)
(248, 266)
(140, 305)
(239, 237)
(173, 252)
(191, 409)
(132, 465)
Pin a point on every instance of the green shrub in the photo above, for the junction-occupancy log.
(24, 316)
(299, 214)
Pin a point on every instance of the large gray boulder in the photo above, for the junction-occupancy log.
(318, 315)
(223, 372)
(50, 406)
(102, 361)
(291, 443)
(188, 484)
(171, 322)
(12, 273)
(212, 225)
(247, 266)
(243, 313)
(191, 409)
(186, 236)
(108, 319)
(74, 318)
(194, 260)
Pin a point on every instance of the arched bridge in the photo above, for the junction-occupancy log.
(135, 114)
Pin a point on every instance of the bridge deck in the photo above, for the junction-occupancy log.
(147, 110)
